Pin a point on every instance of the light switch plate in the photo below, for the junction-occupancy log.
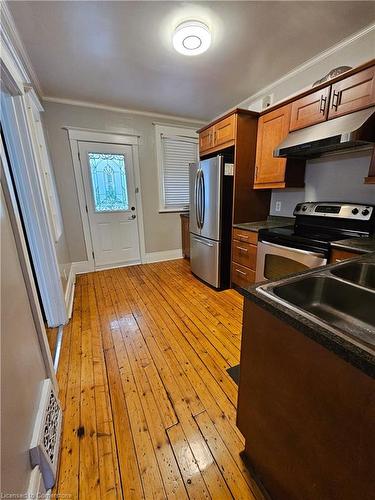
(278, 206)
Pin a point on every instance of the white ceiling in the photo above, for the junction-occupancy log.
(120, 53)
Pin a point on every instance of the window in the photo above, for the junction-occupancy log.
(176, 149)
(109, 185)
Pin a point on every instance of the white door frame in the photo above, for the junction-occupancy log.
(124, 138)
(23, 255)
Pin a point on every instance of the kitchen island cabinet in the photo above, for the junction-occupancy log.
(307, 415)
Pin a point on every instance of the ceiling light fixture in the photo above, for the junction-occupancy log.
(191, 38)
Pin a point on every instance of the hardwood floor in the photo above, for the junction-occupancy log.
(149, 409)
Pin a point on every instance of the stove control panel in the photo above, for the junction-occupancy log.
(332, 209)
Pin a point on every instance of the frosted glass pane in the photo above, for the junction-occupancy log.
(109, 182)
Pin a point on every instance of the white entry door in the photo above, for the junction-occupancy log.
(108, 178)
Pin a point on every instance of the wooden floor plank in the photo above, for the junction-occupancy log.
(68, 483)
(149, 409)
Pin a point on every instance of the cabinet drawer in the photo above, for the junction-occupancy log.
(310, 110)
(242, 276)
(353, 93)
(245, 236)
(244, 254)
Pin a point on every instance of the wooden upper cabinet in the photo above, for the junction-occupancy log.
(224, 131)
(220, 135)
(310, 109)
(206, 139)
(273, 127)
(353, 93)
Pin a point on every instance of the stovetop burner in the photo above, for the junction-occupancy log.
(318, 224)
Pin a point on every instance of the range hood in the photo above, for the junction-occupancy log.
(356, 130)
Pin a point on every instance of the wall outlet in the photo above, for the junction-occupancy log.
(278, 206)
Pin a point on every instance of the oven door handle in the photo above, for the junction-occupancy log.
(297, 250)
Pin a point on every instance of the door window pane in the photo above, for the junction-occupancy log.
(109, 183)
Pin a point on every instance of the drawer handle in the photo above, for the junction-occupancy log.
(241, 272)
(323, 102)
(242, 237)
(242, 249)
(336, 99)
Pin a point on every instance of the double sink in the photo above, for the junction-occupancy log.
(341, 296)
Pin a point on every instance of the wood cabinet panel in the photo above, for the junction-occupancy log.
(224, 131)
(242, 276)
(340, 255)
(244, 254)
(298, 401)
(353, 93)
(245, 236)
(206, 140)
(310, 110)
(185, 236)
(272, 129)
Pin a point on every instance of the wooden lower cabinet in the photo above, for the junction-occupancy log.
(306, 414)
(185, 236)
(242, 276)
(244, 252)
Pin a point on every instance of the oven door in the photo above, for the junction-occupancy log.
(276, 261)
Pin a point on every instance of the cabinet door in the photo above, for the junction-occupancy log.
(353, 93)
(224, 131)
(310, 109)
(273, 127)
(206, 140)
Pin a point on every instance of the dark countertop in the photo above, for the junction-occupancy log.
(353, 351)
(272, 221)
(361, 245)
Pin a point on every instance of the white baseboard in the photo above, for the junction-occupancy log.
(161, 256)
(69, 291)
(82, 267)
(88, 267)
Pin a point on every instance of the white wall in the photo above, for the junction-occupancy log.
(22, 367)
(162, 230)
(338, 178)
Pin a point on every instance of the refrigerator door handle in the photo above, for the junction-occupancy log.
(203, 242)
(196, 184)
(199, 202)
(203, 198)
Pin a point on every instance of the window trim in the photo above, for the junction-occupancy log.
(170, 130)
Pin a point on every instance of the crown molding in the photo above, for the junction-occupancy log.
(12, 40)
(87, 104)
(310, 62)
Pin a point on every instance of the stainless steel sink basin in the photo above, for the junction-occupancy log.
(360, 273)
(344, 306)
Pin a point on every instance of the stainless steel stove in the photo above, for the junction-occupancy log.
(307, 244)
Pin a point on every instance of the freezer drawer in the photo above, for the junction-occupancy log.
(205, 259)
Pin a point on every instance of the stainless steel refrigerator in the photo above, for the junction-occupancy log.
(210, 221)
